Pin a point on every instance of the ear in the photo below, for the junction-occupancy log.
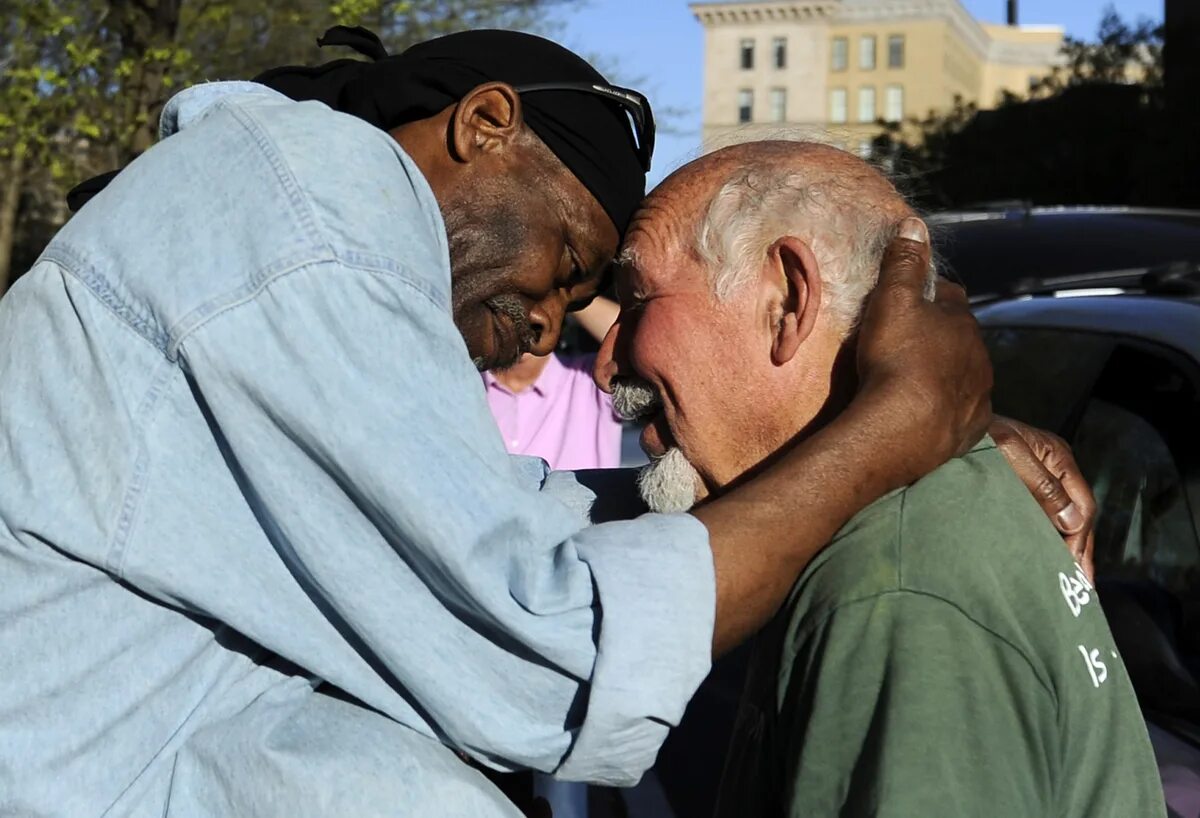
(797, 283)
(488, 119)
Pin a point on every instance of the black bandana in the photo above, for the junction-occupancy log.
(591, 135)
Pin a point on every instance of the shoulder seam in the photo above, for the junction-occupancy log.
(283, 172)
(305, 217)
(391, 271)
(322, 250)
(807, 631)
(72, 264)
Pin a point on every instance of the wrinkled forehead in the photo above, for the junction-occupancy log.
(659, 250)
(642, 270)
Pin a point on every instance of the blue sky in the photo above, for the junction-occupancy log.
(660, 44)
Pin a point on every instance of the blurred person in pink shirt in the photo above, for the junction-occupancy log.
(550, 407)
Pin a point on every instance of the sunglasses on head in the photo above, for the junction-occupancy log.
(633, 103)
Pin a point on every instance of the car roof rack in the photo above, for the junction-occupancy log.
(1179, 278)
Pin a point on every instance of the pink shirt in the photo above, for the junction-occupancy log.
(563, 418)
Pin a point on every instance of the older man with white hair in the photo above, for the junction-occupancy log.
(944, 655)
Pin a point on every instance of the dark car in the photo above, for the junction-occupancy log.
(1010, 250)
(1118, 376)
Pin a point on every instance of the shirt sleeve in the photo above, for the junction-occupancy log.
(900, 705)
(449, 583)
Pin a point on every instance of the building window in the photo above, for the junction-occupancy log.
(894, 103)
(745, 105)
(841, 50)
(866, 52)
(779, 105)
(896, 51)
(779, 48)
(747, 54)
(837, 105)
(866, 104)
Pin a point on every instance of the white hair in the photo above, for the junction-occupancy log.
(765, 201)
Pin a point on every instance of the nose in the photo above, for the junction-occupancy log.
(546, 320)
(606, 367)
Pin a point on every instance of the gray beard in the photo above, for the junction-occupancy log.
(511, 307)
(669, 483)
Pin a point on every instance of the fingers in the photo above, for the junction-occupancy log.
(905, 265)
(1082, 523)
(929, 349)
(1081, 546)
(1048, 490)
(1045, 464)
(1045, 486)
(1078, 508)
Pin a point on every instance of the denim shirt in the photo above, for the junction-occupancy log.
(245, 461)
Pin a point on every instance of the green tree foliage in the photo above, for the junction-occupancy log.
(1091, 131)
(49, 100)
(1121, 53)
(82, 82)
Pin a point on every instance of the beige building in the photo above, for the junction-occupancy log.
(833, 69)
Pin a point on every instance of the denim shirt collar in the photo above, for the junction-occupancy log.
(192, 104)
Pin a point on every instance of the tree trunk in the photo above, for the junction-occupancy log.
(144, 26)
(10, 196)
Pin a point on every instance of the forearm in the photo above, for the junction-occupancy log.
(597, 317)
(766, 531)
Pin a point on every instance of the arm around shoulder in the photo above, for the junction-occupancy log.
(400, 555)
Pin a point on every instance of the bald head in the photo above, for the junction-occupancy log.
(742, 279)
(728, 207)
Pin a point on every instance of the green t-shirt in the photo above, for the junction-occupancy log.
(943, 656)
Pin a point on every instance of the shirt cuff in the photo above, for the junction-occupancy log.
(657, 600)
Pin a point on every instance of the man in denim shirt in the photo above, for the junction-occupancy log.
(244, 455)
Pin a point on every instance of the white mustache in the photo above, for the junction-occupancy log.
(634, 398)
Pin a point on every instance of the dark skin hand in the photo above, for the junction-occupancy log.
(1042, 460)
(924, 386)
(923, 372)
(1045, 464)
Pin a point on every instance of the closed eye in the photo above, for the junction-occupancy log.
(635, 300)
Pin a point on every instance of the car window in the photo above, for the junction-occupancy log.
(1138, 441)
(1131, 412)
(1044, 376)
(1145, 530)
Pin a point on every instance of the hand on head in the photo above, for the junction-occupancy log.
(742, 280)
(745, 277)
(928, 349)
